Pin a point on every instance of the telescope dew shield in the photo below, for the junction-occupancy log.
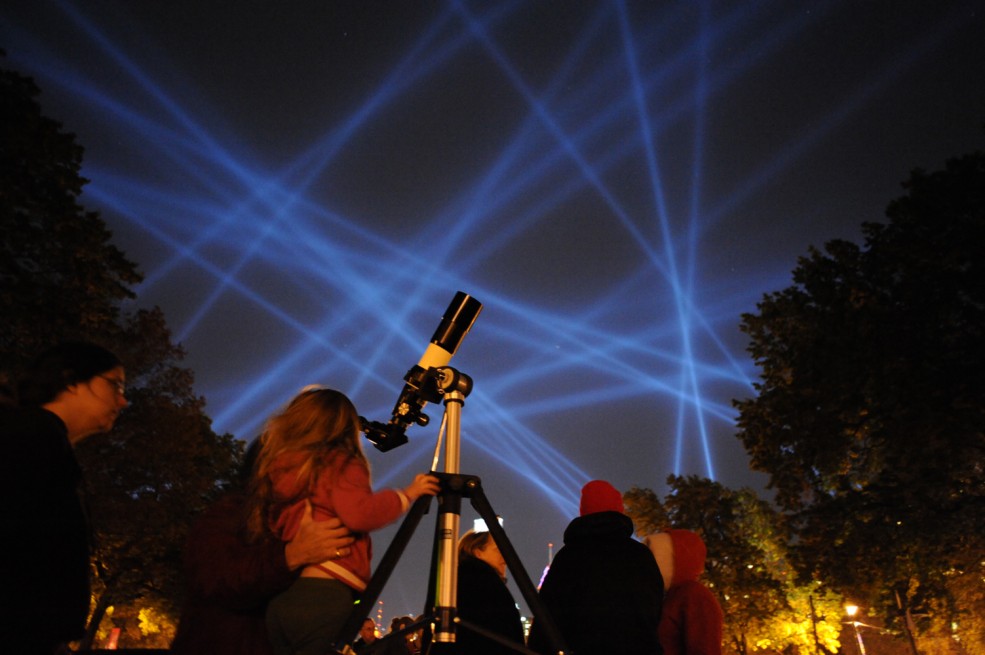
(455, 324)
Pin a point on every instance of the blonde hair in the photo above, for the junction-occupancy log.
(321, 423)
(473, 541)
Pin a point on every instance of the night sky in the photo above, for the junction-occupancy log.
(306, 184)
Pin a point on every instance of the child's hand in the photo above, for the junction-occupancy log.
(423, 485)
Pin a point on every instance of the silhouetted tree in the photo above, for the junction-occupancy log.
(870, 413)
(61, 277)
(59, 273)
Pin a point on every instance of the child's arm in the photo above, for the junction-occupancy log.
(362, 510)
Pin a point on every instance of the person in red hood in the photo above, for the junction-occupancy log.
(311, 455)
(691, 621)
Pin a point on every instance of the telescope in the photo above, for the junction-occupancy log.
(421, 384)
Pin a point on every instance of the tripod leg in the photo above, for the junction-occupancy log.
(515, 566)
(364, 604)
(446, 545)
(432, 590)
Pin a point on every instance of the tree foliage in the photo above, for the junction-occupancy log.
(748, 569)
(649, 515)
(59, 272)
(870, 413)
(62, 278)
(148, 477)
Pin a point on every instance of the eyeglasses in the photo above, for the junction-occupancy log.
(119, 385)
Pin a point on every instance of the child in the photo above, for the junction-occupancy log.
(311, 456)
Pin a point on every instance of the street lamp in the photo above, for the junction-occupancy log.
(852, 610)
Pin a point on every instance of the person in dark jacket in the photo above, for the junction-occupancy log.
(691, 622)
(603, 590)
(397, 644)
(367, 636)
(483, 598)
(70, 392)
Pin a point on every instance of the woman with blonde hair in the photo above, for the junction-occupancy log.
(311, 456)
(483, 598)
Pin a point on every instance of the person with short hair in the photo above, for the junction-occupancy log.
(367, 635)
(483, 598)
(69, 392)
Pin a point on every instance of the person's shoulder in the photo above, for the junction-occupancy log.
(641, 557)
(37, 453)
(696, 592)
(348, 468)
(473, 567)
(233, 502)
(24, 418)
(600, 525)
(32, 429)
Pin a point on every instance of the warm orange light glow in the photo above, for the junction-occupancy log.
(851, 610)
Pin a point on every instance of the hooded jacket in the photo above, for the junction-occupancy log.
(691, 622)
(603, 589)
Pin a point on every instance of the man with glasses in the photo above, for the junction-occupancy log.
(70, 392)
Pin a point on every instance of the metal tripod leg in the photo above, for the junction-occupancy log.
(454, 486)
(470, 486)
(367, 599)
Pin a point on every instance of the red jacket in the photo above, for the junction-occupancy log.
(691, 622)
(341, 490)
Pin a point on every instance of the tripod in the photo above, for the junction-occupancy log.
(442, 593)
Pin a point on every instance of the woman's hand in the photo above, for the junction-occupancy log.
(317, 541)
